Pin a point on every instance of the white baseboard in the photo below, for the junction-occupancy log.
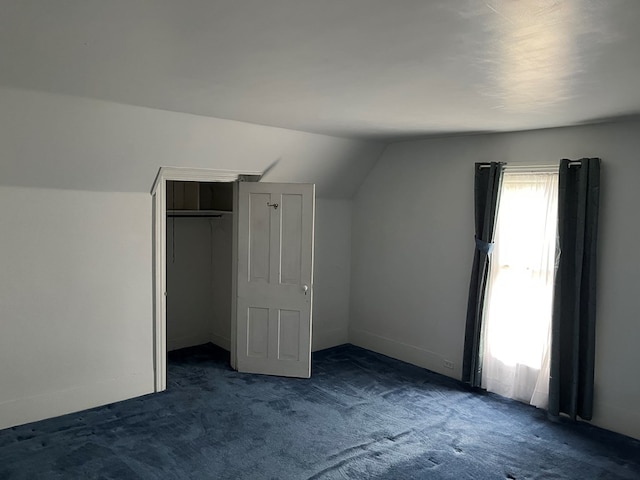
(402, 351)
(219, 340)
(616, 418)
(610, 417)
(53, 404)
(329, 338)
(321, 340)
(184, 341)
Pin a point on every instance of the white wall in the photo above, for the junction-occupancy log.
(199, 281)
(332, 273)
(413, 244)
(76, 270)
(75, 301)
(222, 245)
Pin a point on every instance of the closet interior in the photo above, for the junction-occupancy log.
(199, 267)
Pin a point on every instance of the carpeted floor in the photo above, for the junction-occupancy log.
(361, 415)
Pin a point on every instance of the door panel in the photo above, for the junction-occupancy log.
(275, 272)
(289, 335)
(291, 257)
(258, 332)
(260, 237)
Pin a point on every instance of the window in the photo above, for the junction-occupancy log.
(520, 292)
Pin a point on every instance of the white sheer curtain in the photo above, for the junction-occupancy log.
(517, 322)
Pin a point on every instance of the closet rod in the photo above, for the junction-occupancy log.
(171, 215)
(198, 213)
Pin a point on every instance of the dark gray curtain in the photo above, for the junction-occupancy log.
(574, 305)
(488, 180)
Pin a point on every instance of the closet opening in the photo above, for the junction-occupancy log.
(199, 269)
(186, 204)
(233, 266)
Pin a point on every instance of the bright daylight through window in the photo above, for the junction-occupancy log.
(520, 293)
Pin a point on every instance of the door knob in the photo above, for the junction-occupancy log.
(305, 287)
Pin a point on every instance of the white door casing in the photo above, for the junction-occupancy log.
(158, 196)
(274, 282)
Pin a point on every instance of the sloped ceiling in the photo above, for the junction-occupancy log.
(64, 142)
(373, 69)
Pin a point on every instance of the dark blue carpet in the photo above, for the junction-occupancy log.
(361, 415)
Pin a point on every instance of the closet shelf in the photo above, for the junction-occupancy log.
(197, 213)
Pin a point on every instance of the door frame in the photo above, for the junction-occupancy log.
(159, 195)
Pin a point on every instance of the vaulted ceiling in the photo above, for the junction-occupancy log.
(375, 69)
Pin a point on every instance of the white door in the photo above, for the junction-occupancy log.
(275, 274)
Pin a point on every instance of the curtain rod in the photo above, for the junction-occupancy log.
(571, 164)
